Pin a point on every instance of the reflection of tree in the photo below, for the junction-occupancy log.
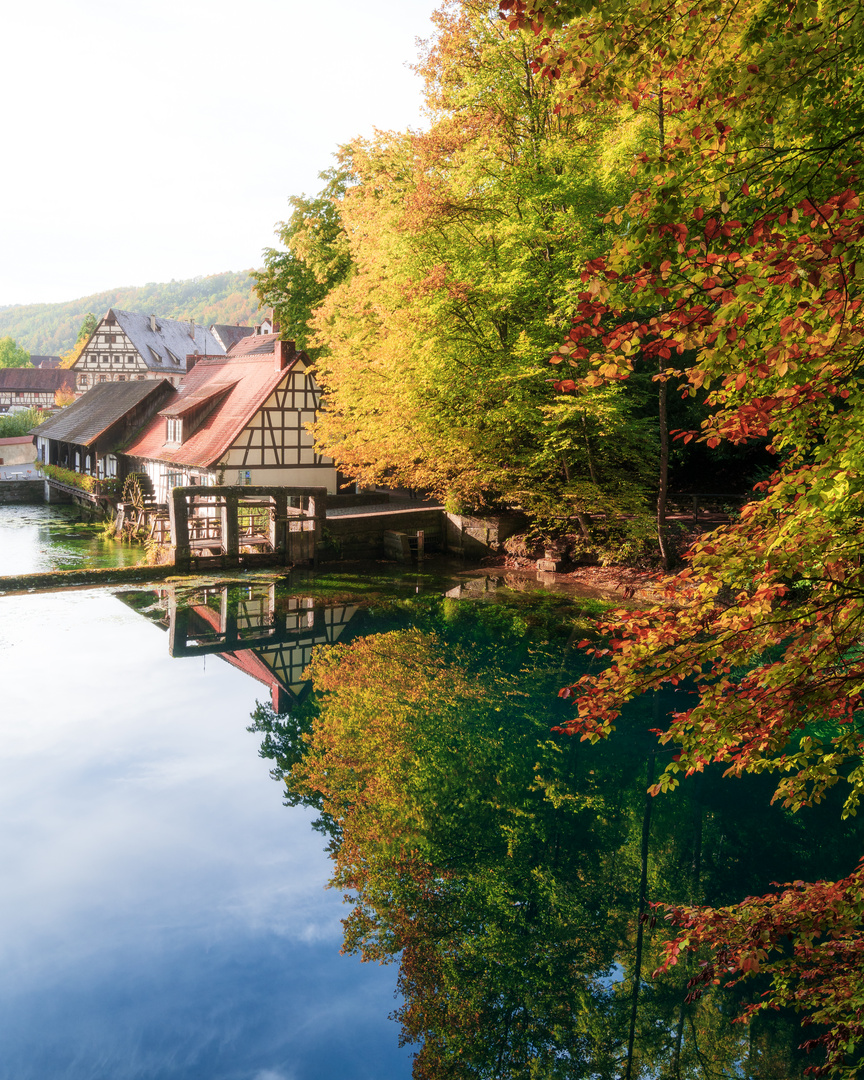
(501, 864)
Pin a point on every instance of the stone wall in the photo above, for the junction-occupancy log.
(477, 537)
(361, 536)
(22, 491)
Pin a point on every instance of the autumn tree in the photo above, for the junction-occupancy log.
(463, 240)
(315, 257)
(86, 331)
(743, 235)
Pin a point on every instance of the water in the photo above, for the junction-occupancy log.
(164, 915)
(36, 539)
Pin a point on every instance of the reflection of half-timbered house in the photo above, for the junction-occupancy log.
(237, 419)
(128, 347)
(270, 638)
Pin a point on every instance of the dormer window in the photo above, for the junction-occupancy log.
(174, 359)
(174, 430)
(157, 359)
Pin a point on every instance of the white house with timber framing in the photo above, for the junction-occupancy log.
(128, 347)
(237, 419)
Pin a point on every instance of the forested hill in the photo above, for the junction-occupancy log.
(51, 329)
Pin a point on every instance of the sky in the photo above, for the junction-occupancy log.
(145, 142)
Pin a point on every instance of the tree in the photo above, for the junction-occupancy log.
(463, 240)
(13, 355)
(295, 281)
(88, 328)
(744, 237)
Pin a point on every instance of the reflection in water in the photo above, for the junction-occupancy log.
(269, 639)
(163, 917)
(501, 865)
(36, 539)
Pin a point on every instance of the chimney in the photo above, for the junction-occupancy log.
(283, 352)
(192, 329)
(153, 323)
(191, 361)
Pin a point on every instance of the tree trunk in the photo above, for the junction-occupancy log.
(663, 484)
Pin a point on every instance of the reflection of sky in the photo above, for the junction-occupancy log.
(162, 915)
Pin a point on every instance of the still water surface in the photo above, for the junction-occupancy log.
(165, 916)
(36, 539)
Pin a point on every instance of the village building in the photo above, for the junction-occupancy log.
(45, 361)
(34, 388)
(237, 419)
(88, 435)
(227, 336)
(128, 347)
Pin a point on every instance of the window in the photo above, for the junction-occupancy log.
(174, 479)
(174, 430)
(157, 359)
(103, 378)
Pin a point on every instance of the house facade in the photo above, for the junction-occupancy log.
(237, 419)
(29, 388)
(129, 347)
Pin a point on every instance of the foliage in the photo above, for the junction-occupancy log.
(88, 326)
(13, 355)
(54, 328)
(20, 423)
(69, 476)
(316, 259)
(738, 271)
(463, 240)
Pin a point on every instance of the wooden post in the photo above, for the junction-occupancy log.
(178, 516)
(230, 529)
(279, 527)
(421, 544)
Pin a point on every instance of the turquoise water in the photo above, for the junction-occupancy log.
(35, 539)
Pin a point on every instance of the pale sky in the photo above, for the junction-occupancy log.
(145, 142)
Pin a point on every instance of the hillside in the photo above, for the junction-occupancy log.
(52, 328)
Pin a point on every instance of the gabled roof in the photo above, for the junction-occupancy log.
(259, 344)
(45, 361)
(194, 399)
(35, 380)
(248, 380)
(99, 409)
(170, 337)
(228, 335)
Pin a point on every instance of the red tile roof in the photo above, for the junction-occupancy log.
(247, 381)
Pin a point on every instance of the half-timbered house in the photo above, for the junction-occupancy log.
(128, 347)
(34, 388)
(87, 435)
(237, 419)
